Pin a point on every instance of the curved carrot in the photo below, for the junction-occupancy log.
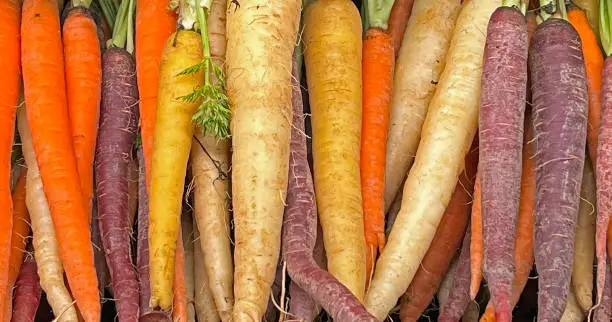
(10, 15)
(154, 24)
(398, 19)
(378, 61)
(47, 110)
(476, 242)
(83, 68)
(523, 247)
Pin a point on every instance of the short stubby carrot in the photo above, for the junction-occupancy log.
(154, 24)
(47, 111)
(82, 64)
(10, 15)
(378, 61)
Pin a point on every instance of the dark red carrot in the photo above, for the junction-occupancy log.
(116, 137)
(559, 92)
(501, 119)
(26, 296)
(147, 313)
(444, 245)
(300, 226)
(459, 297)
(99, 259)
(603, 312)
(398, 19)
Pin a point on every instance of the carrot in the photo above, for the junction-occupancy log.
(46, 248)
(476, 242)
(301, 236)
(584, 246)
(187, 223)
(593, 60)
(210, 158)
(332, 38)
(523, 247)
(448, 131)
(260, 141)
(560, 115)
(83, 69)
(45, 96)
(444, 245)
(179, 300)
(591, 9)
(10, 15)
(377, 74)
(502, 110)
(573, 312)
(147, 313)
(27, 292)
(398, 19)
(444, 290)
(419, 66)
(204, 302)
(154, 24)
(458, 296)
(603, 311)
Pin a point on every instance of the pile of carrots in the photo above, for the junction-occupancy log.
(250, 160)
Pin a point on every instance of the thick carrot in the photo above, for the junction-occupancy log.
(419, 66)
(332, 36)
(117, 136)
(377, 74)
(560, 118)
(301, 234)
(45, 97)
(154, 24)
(83, 68)
(26, 297)
(458, 296)
(502, 110)
(46, 248)
(448, 131)
(398, 19)
(523, 247)
(204, 302)
(593, 60)
(444, 245)
(476, 241)
(10, 15)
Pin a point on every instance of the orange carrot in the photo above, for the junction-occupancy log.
(179, 302)
(10, 15)
(476, 242)
(47, 111)
(19, 235)
(378, 61)
(154, 24)
(398, 19)
(83, 68)
(523, 247)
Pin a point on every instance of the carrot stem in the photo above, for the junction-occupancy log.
(605, 26)
(547, 9)
(81, 3)
(378, 13)
(129, 46)
(511, 3)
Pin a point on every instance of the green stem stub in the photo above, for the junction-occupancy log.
(377, 12)
(213, 114)
(547, 9)
(81, 3)
(123, 23)
(605, 25)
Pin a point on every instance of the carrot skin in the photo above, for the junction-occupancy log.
(27, 292)
(99, 258)
(82, 63)
(476, 242)
(377, 70)
(147, 313)
(501, 118)
(559, 114)
(21, 228)
(458, 297)
(117, 135)
(398, 19)
(603, 312)
(10, 15)
(300, 230)
(444, 245)
(154, 24)
(47, 110)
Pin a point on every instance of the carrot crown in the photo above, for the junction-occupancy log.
(81, 3)
(519, 4)
(376, 13)
(552, 8)
(605, 27)
(123, 26)
(213, 114)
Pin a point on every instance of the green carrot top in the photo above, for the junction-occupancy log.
(213, 114)
(123, 23)
(552, 8)
(376, 13)
(519, 4)
(81, 3)
(605, 25)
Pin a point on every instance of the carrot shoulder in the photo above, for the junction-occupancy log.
(47, 110)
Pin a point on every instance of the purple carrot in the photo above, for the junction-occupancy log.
(147, 313)
(559, 91)
(458, 296)
(603, 312)
(99, 260)
(300, 226)
(116, 138)
(502, 113)
(27, 292)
